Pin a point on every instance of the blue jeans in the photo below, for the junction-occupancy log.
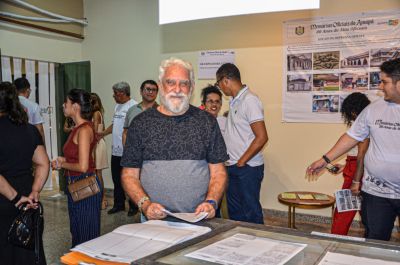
(378, 215)
(243, 194)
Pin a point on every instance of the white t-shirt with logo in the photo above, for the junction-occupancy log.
(245, 109)
(118, 126)
(32, 109)
(381, 122)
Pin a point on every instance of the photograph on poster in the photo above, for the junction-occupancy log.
(299, 62)
(326, 82)
(326, 60)
(325, 103)
(298, 83)
(354, 81)
(378, 56)
(374, 80)
(354, 59)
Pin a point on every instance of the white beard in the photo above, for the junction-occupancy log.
(177, 103)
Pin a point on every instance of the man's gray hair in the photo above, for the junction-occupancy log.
(123, 87)
(176, 61)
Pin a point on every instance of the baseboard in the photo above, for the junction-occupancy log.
(310, 218)
(306, 218)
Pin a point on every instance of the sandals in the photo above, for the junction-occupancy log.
(104, 204)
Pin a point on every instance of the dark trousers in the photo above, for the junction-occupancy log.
(243, 194)
(378, 215)
(84, 215)
(119, 193)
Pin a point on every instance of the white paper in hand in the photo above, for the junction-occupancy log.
(188, 217)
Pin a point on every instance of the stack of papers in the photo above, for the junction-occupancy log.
(134, 241)
(241, 249)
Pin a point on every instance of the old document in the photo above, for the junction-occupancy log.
(242, 249)
(331, 258)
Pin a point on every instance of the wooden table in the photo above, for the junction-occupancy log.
(304, 204)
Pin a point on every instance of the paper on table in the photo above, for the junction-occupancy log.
(307, 196)
(188, 217)
(289, 195)
(331, 258)
(242, 249)
(134, 241)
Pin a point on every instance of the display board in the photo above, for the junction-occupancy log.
(327, 58)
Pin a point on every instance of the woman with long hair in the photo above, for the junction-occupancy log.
(21, 145)
(100, 151)
(84, 215)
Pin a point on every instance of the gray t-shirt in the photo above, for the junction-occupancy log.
(381, 122)
(173, 153)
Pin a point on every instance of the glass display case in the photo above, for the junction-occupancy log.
(317, 245)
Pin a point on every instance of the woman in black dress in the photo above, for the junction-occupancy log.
(21, 144)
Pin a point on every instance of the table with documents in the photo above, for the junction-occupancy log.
(237, 243)
(233, 243)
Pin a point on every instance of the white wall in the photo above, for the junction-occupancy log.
(38, 46)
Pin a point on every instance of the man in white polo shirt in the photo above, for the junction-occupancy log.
(245, 135)
(32, 108)
(122, 92)
(380, 121)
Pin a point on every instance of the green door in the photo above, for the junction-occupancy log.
(68, 76)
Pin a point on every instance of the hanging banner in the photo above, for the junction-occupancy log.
(6, 69)
(210, 61)
(328, 58)
(17, 62)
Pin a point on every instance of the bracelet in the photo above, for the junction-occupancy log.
(141, 202)
(16, 199)
(327, 160)
(355, 182)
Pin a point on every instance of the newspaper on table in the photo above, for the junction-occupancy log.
(188, 217)
(242, 249)
(134, 241)
(331, 258)
(346, 201)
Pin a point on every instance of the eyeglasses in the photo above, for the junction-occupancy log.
(150, 90)
(182, 83)
(218, 80)
(211, 102)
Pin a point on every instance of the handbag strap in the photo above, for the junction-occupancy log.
(38, 234)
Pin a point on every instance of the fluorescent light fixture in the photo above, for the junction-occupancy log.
(171, 11)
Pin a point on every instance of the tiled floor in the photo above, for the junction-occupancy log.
(57, 239)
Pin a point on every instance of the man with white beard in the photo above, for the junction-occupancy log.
(174, 154)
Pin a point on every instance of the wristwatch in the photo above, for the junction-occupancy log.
(327, 160)
(141, 202)
(213, 203)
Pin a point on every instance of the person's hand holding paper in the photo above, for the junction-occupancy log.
(153, 210)
(207, 208)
